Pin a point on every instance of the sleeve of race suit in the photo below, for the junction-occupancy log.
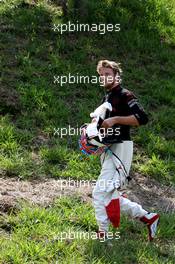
(136, 108)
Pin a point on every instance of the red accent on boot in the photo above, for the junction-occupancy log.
(113, 212)
(149, 221)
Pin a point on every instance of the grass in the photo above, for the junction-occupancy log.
(32, 107)
(47, 235)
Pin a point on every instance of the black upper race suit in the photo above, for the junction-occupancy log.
(124, 103)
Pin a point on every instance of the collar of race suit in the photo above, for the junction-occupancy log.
(115, 89)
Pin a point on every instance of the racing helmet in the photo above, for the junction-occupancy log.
(91, 144)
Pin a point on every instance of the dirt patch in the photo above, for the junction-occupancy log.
(9, 100)
(38, 192)
(146, 191)
(151, 194)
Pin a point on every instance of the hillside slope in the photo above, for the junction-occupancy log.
(32, 107)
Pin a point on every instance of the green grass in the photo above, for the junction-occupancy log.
(33, 105)
(37, 235)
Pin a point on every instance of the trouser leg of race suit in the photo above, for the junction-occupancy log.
(106, 198)
(102, 191)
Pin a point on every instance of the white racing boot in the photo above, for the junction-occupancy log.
(152, 221)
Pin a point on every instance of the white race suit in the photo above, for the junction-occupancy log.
(107, 199)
